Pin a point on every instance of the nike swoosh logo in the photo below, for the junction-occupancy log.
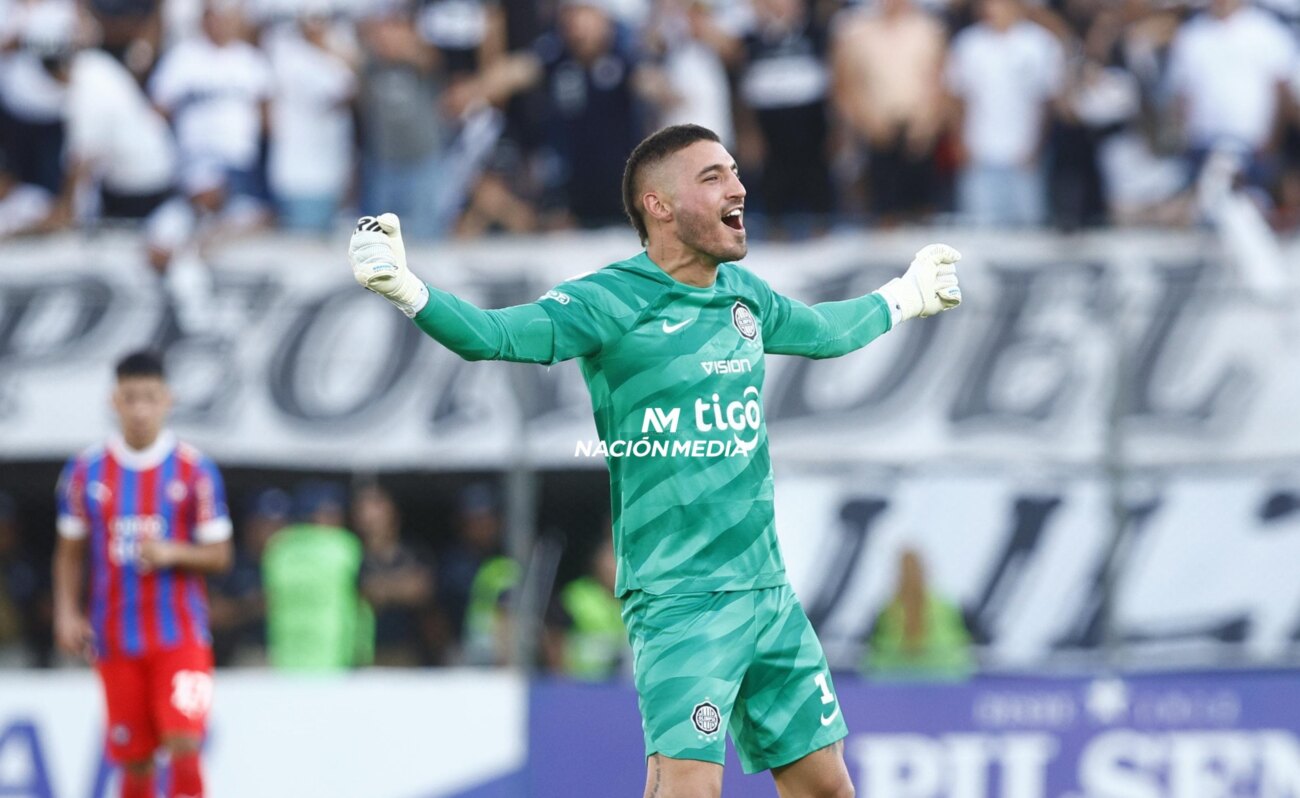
(672, 328)
(826, 721)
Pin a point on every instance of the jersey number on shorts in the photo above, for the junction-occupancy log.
(192, 693)
(827, 698)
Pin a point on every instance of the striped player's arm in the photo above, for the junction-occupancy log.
(72, 631)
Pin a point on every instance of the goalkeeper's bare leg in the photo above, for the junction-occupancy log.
(821, 774)
(681, 778)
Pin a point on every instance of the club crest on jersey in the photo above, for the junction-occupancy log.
(706, 718)
(744, 321)
(176, 491)
(99, 492)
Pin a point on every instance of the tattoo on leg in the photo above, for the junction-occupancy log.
(654, 789)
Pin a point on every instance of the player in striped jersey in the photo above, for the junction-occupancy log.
(149, 512)
(671, 343)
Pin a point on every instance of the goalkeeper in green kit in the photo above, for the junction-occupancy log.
(671, 343)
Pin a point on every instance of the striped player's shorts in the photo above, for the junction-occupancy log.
(746, 661)
(154, 696)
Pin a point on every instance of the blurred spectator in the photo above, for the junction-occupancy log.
(1143, 172)
(130, 31)
(588, 620)
(498, 198)
(24, 207)
(403, 132)
(463, 588)
(699, 91)
(782, 75)
(31, 100)
(919, 634)
(309, 165)
(1098, 102)
(238, 603)
(595, 82)
(26, 614)
(117, 144)
(488, 620)
(888, 67)
(467, 34)
(215, 88)
(394, 580)
(314, 616)
(1229, 69)
(1003, 72)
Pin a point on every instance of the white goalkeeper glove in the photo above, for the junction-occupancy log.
(929, 285)
(379, 263)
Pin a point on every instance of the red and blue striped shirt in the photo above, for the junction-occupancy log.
(116, 497)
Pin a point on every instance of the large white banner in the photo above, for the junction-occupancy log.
(287, 362)
(378, 734)
(1205, 574)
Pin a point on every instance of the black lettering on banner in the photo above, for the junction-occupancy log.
(786, 396)
(85, 300)
(1029, 519)
(1167, 346)
(844, 555)
(1012, 345)
(206, 369)
(1278, 508)
(447, 404)
(301, 357)
(1088, 629)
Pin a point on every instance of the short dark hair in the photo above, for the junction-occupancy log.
(653, 149)
(143, 363)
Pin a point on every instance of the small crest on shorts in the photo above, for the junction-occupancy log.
(706, 718)
(744, 321)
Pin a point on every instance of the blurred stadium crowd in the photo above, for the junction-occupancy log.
(327, 578)
(468, 117)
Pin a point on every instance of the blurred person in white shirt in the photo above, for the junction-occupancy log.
(1228, 69)
(116, 143)
(1003, 74)
(700, 92)
(310, 158)
(216, 89)
(468, 35)
(31, 100)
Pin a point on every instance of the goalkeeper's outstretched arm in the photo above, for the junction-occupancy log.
(832, 329)
(523, 334)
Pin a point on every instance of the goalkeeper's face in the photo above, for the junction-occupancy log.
(709, 201)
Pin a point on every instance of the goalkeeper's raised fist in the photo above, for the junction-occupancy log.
(929, 285)
(379, 263)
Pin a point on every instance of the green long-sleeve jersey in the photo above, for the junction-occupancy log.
(676, 379)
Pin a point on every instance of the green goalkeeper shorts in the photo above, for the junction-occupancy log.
(746, 661)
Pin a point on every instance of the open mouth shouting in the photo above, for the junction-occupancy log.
(735, 218)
